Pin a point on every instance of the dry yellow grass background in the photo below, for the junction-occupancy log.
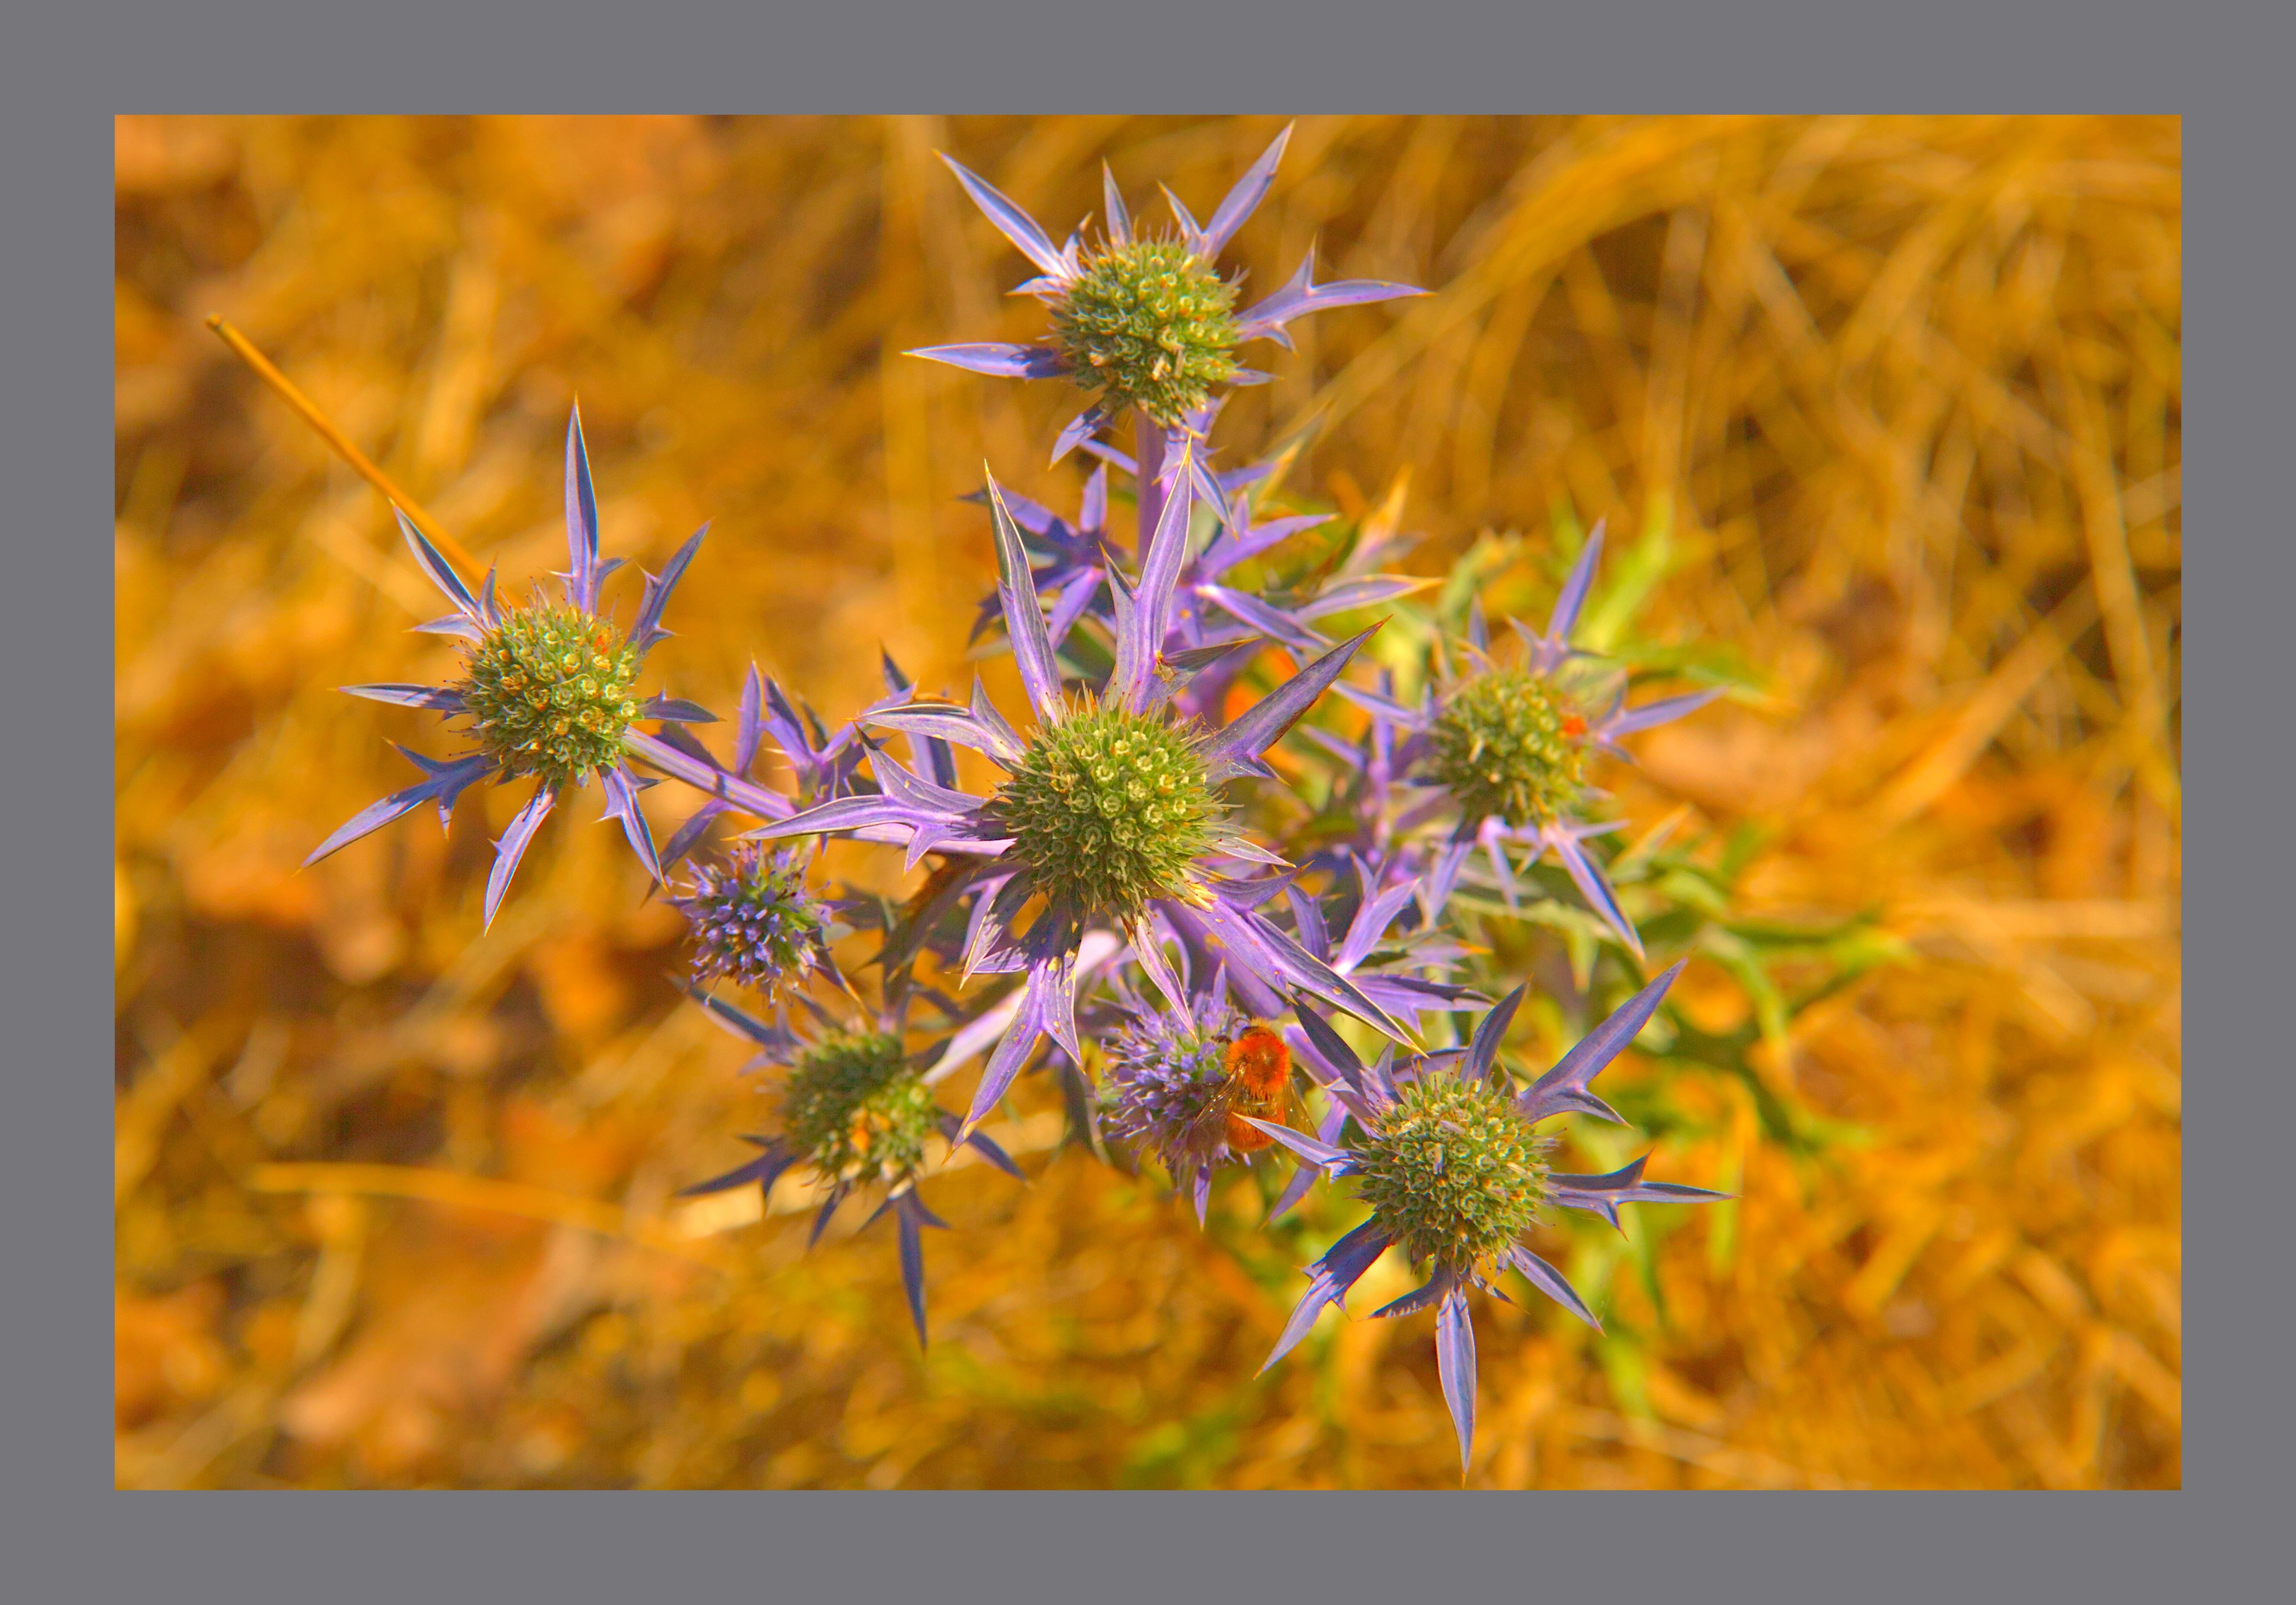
(394, 1197)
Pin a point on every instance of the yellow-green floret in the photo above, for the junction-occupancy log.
(1503, 747)
(1149, 325)
(1109, 810)
(1453, 1173)
(858, 1111)
(550, 689)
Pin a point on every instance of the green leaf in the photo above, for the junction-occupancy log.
(1651, 558)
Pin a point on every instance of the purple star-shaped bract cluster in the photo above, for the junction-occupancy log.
(477, 614)
(779, 1045)
(1400, 743)
(1365, 1093)
(1059, 268)
(1070, 563)
(940, 818)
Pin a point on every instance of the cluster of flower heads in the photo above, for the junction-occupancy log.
(1109, 887)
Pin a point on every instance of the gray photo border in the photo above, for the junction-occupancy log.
(72, 1537)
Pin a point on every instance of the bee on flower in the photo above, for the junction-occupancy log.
(1184, 1086)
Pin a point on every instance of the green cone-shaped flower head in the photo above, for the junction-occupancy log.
(858, 1111)
(1150, 325)
(550, 688)
(1453, 1173)
(1110, 810)
(1507, 745)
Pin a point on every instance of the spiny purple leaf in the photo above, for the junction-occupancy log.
(1594, 887)
(1666, 709)
(1140, 633)
(675, 710)
(1079, 430)
(441, 572)
(1024, 617)
(445, 698)
(622, 803)
(1597, 1048)
(648, 628)
(1329, 1279)
(1482, 1052)
(1245, 199)
(512, 846)
(913, 1263)
(1550, 1281)
(1260, 727)
(1011, 221)
(997, 358)
(581, 522)
(1322, 1154)
(765, 1170)
(1455, 1366)
(1426, 1296)
(1120, 216)
(948, 722)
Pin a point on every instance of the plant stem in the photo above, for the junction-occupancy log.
(360, 463)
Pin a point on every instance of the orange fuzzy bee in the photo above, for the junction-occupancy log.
(1573, 725)
(1258, 1082)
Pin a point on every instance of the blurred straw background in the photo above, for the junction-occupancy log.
(394, 1198)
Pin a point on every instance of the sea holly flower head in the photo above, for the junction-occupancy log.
(1148, 325)
(1445, 1153)
(1110, 809)
(1508, 746)
(855, 1111)
(1110, 814)
(549, 688)
(549, 694)
(1454, 1170)
(859, 1112)
(752, 920)
(1144, 321)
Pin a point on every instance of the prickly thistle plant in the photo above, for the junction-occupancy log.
(548, 689)
(855, 1112)
(1108, 816)
(1111, 808)
(1508, 747)
(1109, 842)
(1148, 324)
